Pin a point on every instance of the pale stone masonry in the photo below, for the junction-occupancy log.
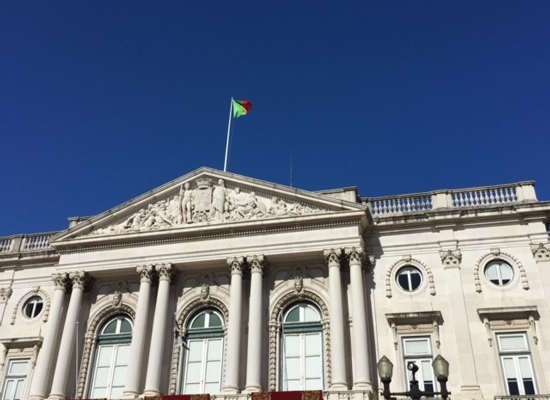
(223, 284)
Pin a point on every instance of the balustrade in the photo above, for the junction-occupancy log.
(5, 245)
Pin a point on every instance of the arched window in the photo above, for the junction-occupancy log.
(202, 369)
(111, 358)
(302, 348)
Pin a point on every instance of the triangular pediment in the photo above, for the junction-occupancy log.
(207, 197)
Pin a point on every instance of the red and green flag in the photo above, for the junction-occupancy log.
(241, 108)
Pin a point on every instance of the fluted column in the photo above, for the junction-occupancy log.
(59, 385)
(361, 348)
(42, 372)
(234, 329)
(154, 368)
(255, 325)
(139, 334)
(337, 345)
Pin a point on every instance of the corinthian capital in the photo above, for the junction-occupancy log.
(165, 271)
(355, 255)
(145, 273)
(236, 264)
(333, 257)
(5, 294)
(60, 281)
(79, 279)
(451, 258)
(256, 263)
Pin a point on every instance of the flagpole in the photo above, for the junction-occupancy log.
(228, 136)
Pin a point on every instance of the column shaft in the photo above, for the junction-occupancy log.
(338, 354)
(42, 372)
(66, 347)
(137, 348)
(234, 328)
(361, 349)
(255, 325)
(154, 368)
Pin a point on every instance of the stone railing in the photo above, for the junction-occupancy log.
(524, 397)
(460, 198)
(25, 243)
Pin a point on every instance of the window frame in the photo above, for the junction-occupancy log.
(515, 355)
(16, 378)
(35, 299)
(207, 336)
(406, 269)
(303, 330)
(497, 262)
(418, 359)
(115, 341)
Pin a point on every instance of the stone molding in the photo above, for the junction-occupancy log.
(90, 340)
(507, 318)
(5, 294)
(496, 254)
(409, 323)
(541, 251)
(451, 258)
(275, 326)
(408, 260)
(182, 321)
(35, 292)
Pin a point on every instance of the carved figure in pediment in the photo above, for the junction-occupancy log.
(186, 203)
(278, 207)
(217, 207)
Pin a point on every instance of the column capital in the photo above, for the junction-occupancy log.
(541, 251)
(451, 258)
(333, 257)
(79, 279)
(5, 294)
(145, 273)
(355, 255)
(236, 265)
(61, 281)
(257, 263)
(165, 271)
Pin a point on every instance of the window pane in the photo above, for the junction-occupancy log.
(293, 368)
(105, 353)
(293, 316)
(192, 388)
(195, 350)
(119, 376)
(491, 273)
(313, 344)
(99, 393)
(214, 349)
(199, 321)
(313, 367)
(314, 384)
(212, 388)
(529, 386)
(310, 315)
(513, 387)
(8, 391)
(123, 354)
(419, 346)
(110, 328)
(213, 371)
(19, 386)
(509, 368)
(506, 272)
(416, 280)
(512, 343)
(193, 373)
(102, 377)
(18, 367)
(215, 321)
(525, 367)
(294, 385)
(403, 280)
(292, 345)
(126, 326)
(116, 392)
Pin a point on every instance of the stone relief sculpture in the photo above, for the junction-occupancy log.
(206, 203)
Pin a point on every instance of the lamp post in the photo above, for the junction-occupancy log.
(441, 370)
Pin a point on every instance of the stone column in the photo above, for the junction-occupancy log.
(255, 325)
(337, 345)
(137, 348)
(469, 385)
(361, 347)
(59, 385)
(234, 329)
(156, 351)
(42, 371)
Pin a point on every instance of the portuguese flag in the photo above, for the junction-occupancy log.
(241, 108)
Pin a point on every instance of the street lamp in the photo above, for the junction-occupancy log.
(441, 370)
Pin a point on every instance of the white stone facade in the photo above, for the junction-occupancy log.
(458, 273)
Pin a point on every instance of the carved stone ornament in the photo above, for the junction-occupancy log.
(79, 279)
(333, 257)
(256, 263)
(146, 273)
(165, 271)
(202, 202)
(541, 251)
(451, 258)
(236, 264)
(205, 291)
(298, 284)
(60, 281)
(5, 294)
(117, 299)
(355, 255)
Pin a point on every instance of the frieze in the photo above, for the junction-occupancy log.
(203, 202)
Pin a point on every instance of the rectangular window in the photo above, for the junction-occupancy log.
(517, 366)
(16, 379)
(419, 351)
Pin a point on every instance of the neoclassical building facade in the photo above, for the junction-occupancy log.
(225, 285)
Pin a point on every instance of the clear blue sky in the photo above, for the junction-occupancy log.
(102, 101)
